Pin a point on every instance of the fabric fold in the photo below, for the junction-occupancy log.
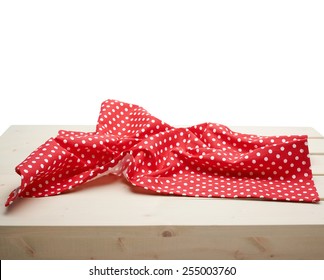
(205, 160)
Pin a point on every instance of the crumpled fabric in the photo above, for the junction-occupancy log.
(204, 160)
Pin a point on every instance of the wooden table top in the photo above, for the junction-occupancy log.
(110, 201)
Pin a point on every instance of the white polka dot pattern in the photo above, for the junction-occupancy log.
(205, 160)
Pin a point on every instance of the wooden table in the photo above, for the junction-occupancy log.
(108, 219)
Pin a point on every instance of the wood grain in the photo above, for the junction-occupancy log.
(168, 242)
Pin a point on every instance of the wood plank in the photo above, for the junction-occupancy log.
(316, 146)
(166, 242)
(270, 131)
(317, 162)
(319, 182)
(111, 202)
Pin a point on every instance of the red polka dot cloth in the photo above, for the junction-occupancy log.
(205, 160)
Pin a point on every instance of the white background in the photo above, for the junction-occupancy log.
(186, 62)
